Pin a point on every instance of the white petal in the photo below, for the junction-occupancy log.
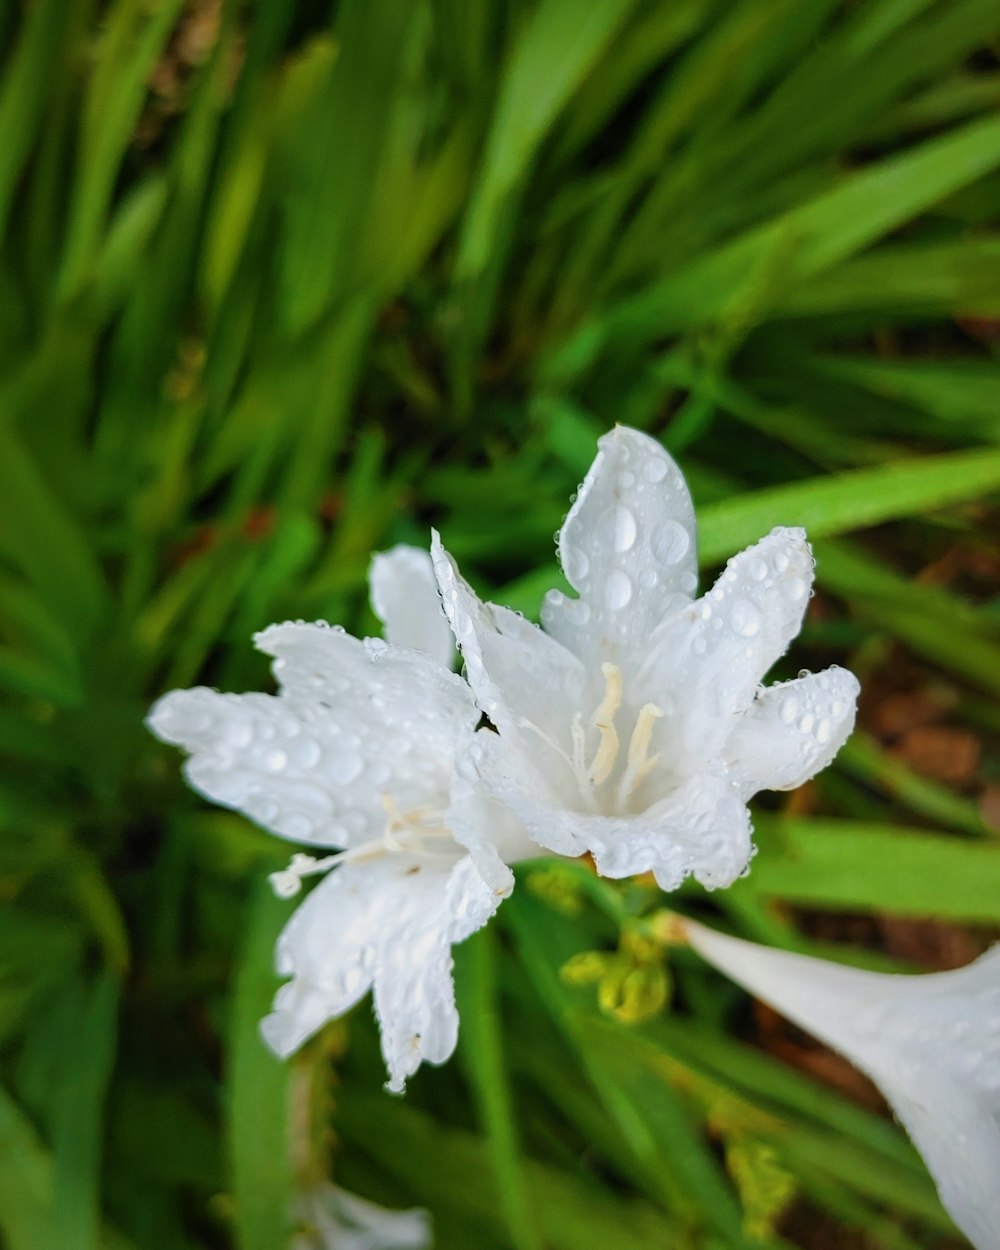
(932, 1043)
(702, 829)
(705, 664)
(353, 722)
(792, 730)
(339, 1220)
(627, 546)
(488, 829)
(388, 923)
(517, 671)
(404, 596)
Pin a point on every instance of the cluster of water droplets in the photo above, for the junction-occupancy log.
(739, 602)
(635, 557)
(312, 762)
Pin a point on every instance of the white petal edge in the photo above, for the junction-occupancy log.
(404, 596)
(388, 925)
(339, 1220)
(354, 721)
(793, 730)
(704, 665)
(517, 671)
(628, 547)
(931, 1043)
(702, 830)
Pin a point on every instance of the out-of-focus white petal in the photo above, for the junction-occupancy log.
(702, 829)
(292, 772)
(706, 662)
(353, 722)
(517, 672)
(627, 546)
(335, 1219)
(932, 1044)
(793, 730)
(386, 924)
(404, 596)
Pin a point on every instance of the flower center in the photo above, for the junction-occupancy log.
(417, 831)
(607, 783)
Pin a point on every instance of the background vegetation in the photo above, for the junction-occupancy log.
(281, 283)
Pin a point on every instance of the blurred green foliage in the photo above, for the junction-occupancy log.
(281, 283)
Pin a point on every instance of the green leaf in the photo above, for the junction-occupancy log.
(844, 502)
(26, 1181)
(482, 1053)
(854, 866)
(258, 1089)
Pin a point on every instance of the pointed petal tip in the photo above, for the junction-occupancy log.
(280, 1035)
(182, 717)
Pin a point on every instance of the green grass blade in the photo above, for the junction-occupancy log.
(845, 502)
(482, 1051)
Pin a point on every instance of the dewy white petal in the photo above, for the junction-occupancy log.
(627, 546)
(702, 829)
(711, 657)
(518, 672)
(404, 596)
(621, 725)
(359, 750)
(283, 768)
(793, 730)
(352, 722)
(335, 1219)
(388, 923)
(931, 1043)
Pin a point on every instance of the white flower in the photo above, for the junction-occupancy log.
(634, 725)
(334, 1219)
(931, 1043)
(357, 751)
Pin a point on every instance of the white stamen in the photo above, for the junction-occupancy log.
(639, 762)
(405, 832)
(604, 722)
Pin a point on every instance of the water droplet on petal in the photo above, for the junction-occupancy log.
(823, 730)
(620, 524)
(275, 761)
(700, 645)
(297, 826)
(307, 753)
(796, 589)
(789, 709)
(669, 542)
(238, 734)
(344, 768)
(617, 590)
(807, 722)
(575, 565)
(745, 618)
(655, 469)
(648, 579)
